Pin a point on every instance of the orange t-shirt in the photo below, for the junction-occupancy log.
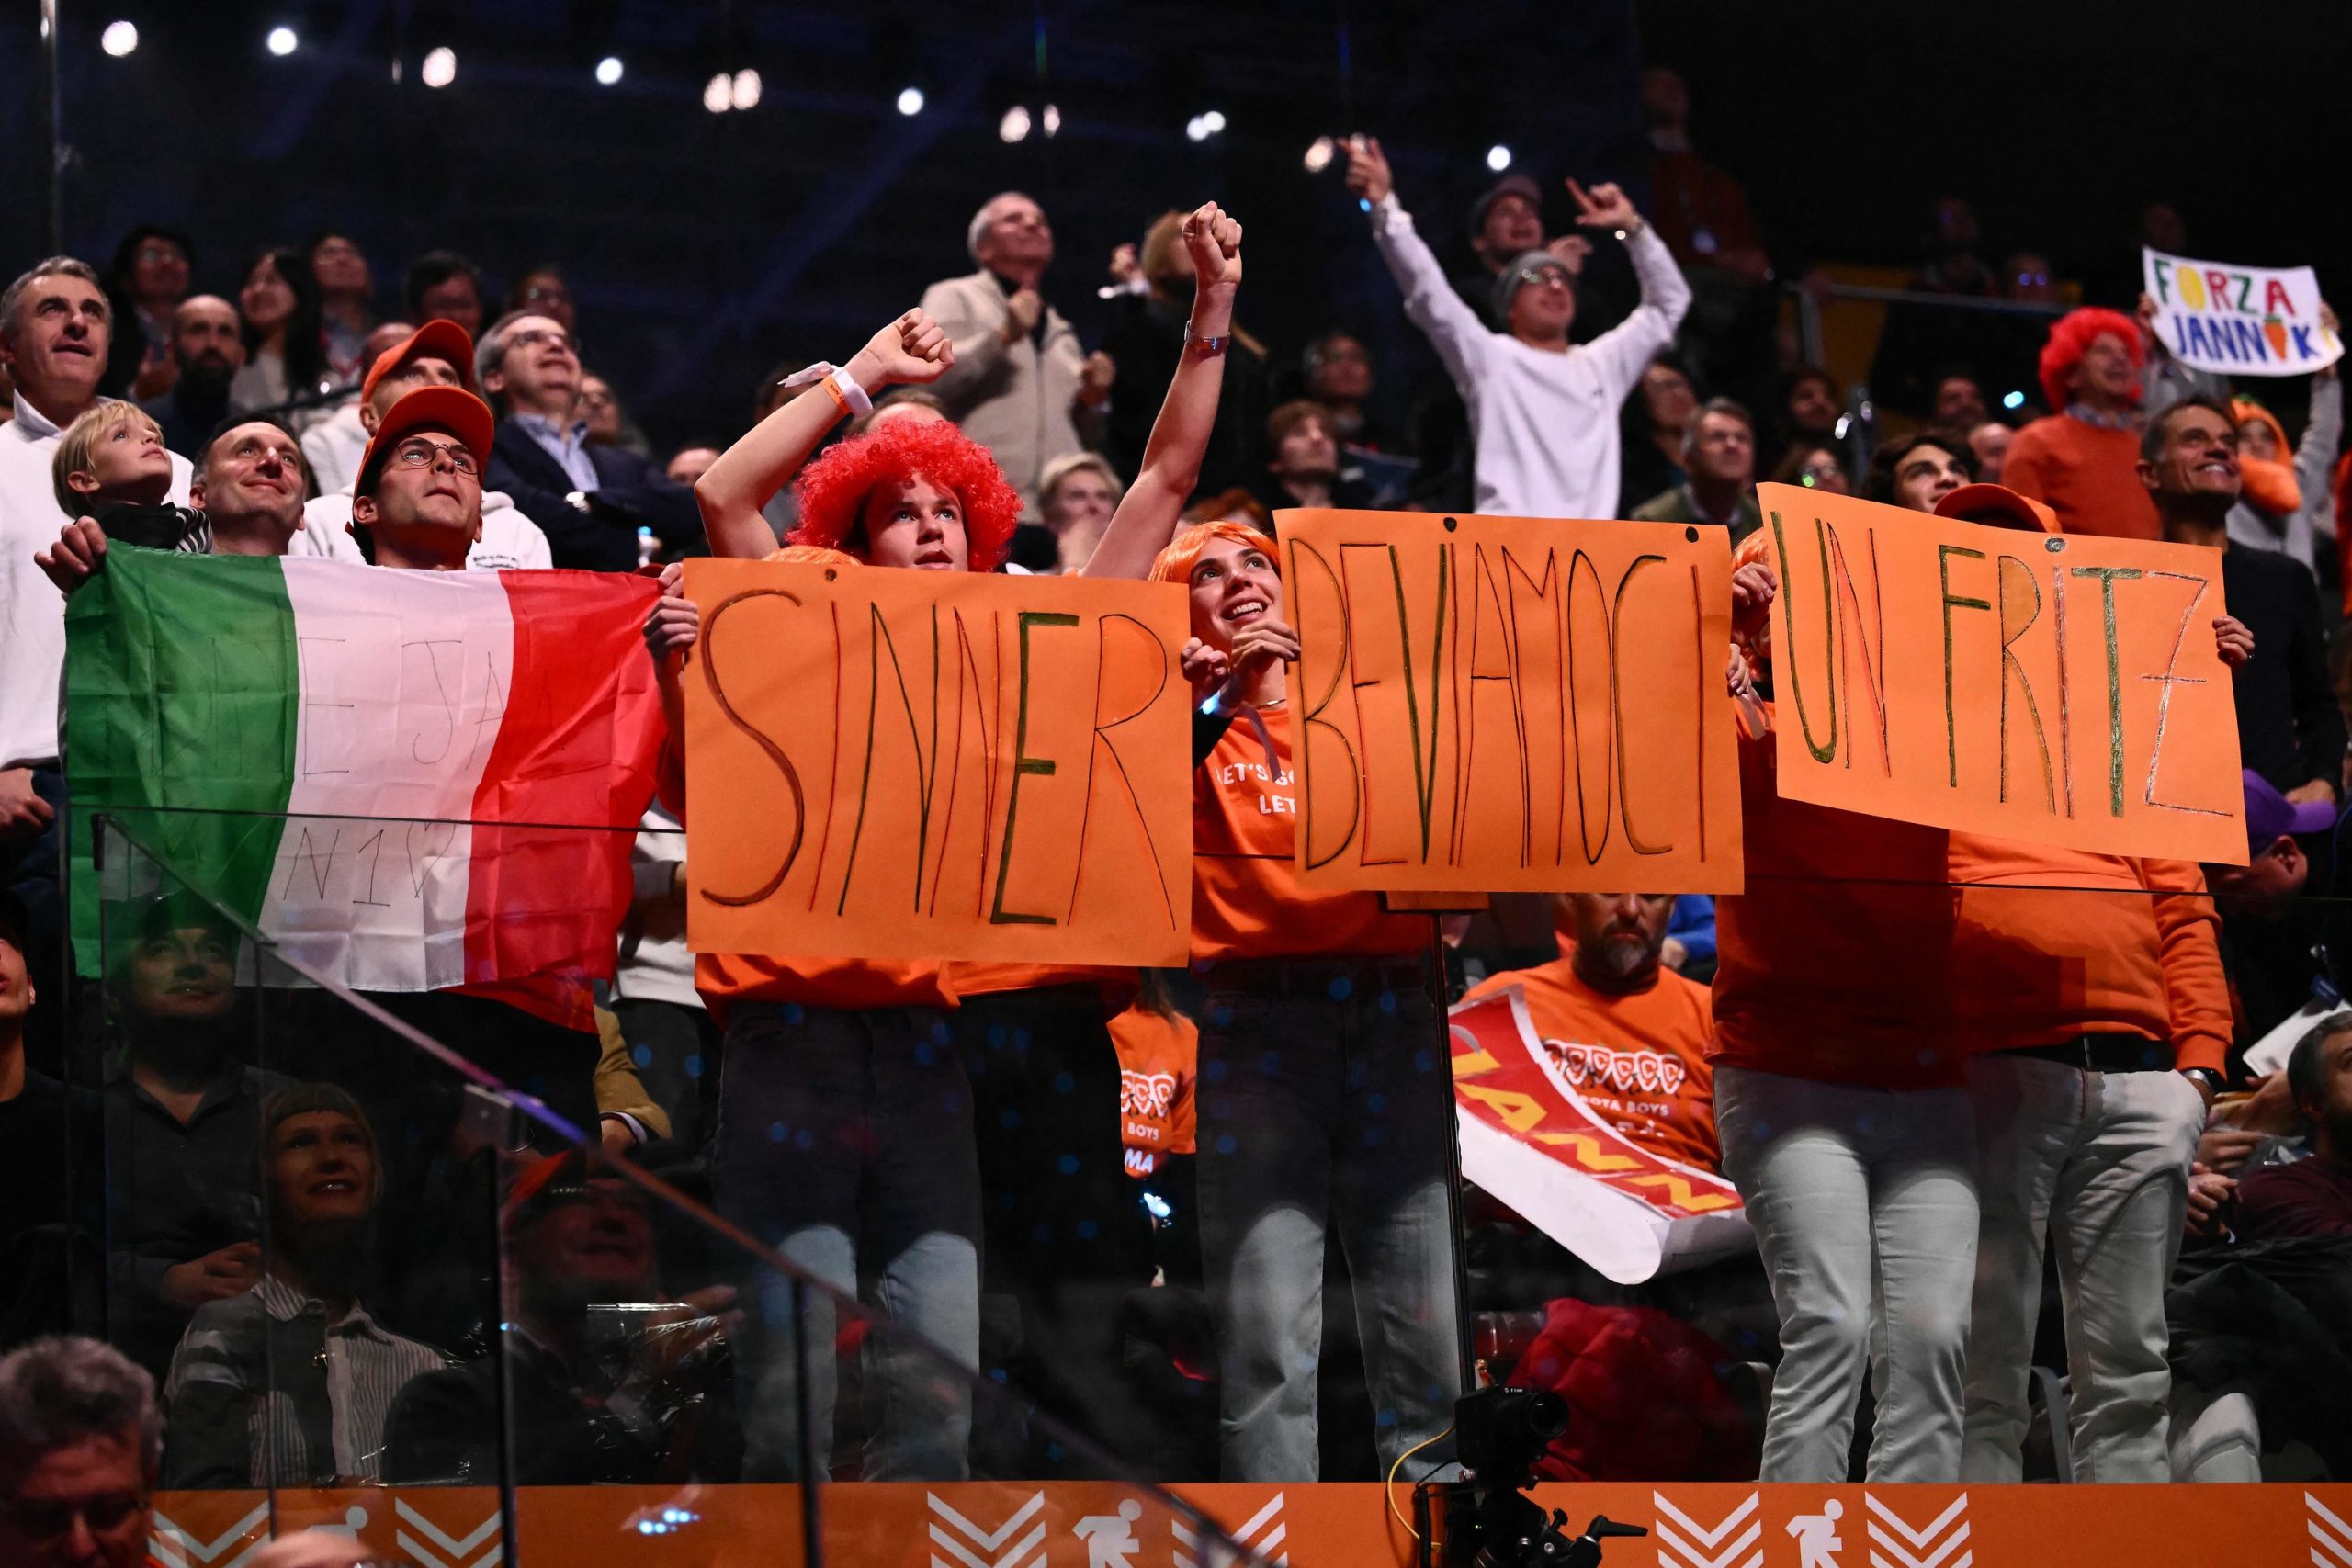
(1247, 901)
(2053, 943)
(845, 983)
(2087, 474)
(1117, 985)
(1835, 964)
(1640, 1060)
(1160, 1056)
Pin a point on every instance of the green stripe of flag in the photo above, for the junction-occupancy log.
(181, 679)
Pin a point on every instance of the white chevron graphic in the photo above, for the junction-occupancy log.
(1262, 1549)
(441, 1541)
(2330, 1533)
(1904, 1545)
(1017, 1555)
(174, 1547)
(1670, 1543)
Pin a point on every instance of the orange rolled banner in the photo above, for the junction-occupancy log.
(917, 765)
(1510, 704)
(2060, 689)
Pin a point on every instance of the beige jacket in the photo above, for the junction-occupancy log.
(1015, 401)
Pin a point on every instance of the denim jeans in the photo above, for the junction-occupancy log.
(1315, 1102)
(844, 1141)
(1863, 1202)
(2096, 1163)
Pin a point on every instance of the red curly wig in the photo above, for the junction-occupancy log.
(2070, 335)
(833, 489)
(1175, 563)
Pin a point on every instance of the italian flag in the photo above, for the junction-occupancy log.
(408, 780)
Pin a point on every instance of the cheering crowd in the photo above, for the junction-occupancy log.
(1938, 1069)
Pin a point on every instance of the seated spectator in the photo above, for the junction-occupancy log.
(1719, 453)
(2081, 461)
(1339, 375)
(346, 304)
(1146, 337)
(208, 350)
(1539, 405)
(1020, 380)
(285, 355)
(1076, 498)
(144, 287)
(2312, 1196)
(688, 464)
(1303, 466)
(442, 286)
(332, 445)
(2290, 729)
(542, 291)
(81, 1445)
(183, 1121)
(590, 499)
(1919, 469)
(594, 1392)
(1813, 466)
(1689, 949)
(1651, 426)
(1610, 1003)
(600, 411)
(1810, 407)
(1988, 443)
(1958, 402)
(290, 1383)
(2284, 504)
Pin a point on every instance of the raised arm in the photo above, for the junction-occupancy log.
(748, 473)
(1461, 339)
(1148, 515)
(1625, 350)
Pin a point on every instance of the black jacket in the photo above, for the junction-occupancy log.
(630, 492)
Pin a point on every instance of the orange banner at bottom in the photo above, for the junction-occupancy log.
(1084, 1525)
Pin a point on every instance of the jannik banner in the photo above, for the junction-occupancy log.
(2239, 321)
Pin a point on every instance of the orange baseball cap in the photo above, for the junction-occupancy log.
(451, 409)
(441, 339)
(1997, 506)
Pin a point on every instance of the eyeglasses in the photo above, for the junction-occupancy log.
(105, 1516)
(1823, 470)
(419, 453)
(534, 336)
(1543, 275)
(151, 253)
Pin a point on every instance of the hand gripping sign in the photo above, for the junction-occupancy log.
(1510, 704)
(914, 764)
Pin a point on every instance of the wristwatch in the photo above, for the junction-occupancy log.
(577, 500)
(2205, 1077)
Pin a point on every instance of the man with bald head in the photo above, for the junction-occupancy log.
(1015, 382)
(209, 346)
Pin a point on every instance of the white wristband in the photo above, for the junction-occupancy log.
(853, 395)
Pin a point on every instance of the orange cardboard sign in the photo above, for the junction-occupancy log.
(916, 764)
(1508, 704)
(2058, 689)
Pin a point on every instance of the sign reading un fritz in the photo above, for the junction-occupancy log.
(2061, 689)
(2242, 321)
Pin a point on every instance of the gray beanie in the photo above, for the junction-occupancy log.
(1507, 281)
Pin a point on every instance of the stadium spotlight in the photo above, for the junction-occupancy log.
(1014, 126)
(910, 101)
(1498, 157)
(282, 41)
(439, 68)
(119, 39)
(608, 70)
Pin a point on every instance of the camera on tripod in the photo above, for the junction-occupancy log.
(1490, 1521)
